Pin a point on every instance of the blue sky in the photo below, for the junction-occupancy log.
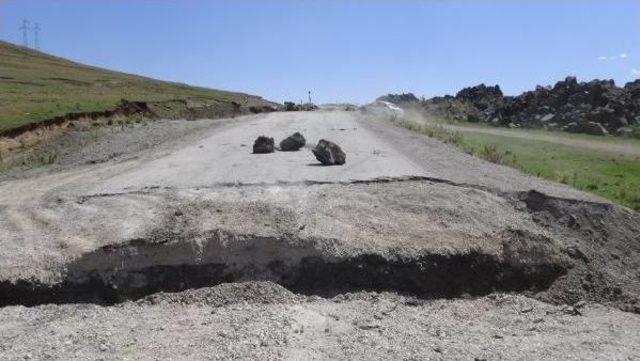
(342, 50)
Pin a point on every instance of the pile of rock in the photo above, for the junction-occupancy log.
(399, 99)
(327, 152)
(293, 107)
(596, 107)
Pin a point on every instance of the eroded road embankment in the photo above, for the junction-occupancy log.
(406, 214)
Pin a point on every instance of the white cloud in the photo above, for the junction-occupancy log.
(635, 71)
(613, 57)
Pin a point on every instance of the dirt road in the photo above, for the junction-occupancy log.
(627, 148)
(406, 214)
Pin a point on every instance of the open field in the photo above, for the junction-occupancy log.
(606, 166)
(35, 86)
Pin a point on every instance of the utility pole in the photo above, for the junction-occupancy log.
(25, 34)
(36, 35)
(309, 96)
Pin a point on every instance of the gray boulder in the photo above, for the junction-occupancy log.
(293, 142)
(263, 145)
(329, 153)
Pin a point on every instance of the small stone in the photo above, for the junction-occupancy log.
(103, 347)
(570, 310)
(572, 221)
(579, 304)
(526, 309)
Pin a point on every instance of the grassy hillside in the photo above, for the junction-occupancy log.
(35, 86)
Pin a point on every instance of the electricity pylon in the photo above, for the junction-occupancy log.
(25, 32)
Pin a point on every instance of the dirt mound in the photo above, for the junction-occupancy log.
(604, 245)
(225, 294)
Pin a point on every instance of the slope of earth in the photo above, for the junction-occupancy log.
(35, 86)
(406, 215)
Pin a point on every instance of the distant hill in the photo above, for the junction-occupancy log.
(35, 86)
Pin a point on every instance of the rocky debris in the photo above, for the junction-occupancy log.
(399, 98)
(225, 294)
(293, 142)
(329, 153)
(597, 107)
(308, 107)
(263, 145)
(571, 310)
(261, 109)
(480, 92)
(593, 128)
(318, 328)
(292, 107)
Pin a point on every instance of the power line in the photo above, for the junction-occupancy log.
(25, 32)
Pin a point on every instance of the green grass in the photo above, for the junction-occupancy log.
(35, 86)
(610, 175)
(613, 176)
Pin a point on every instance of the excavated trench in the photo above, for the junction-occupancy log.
(139, 268)
(585, 252)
